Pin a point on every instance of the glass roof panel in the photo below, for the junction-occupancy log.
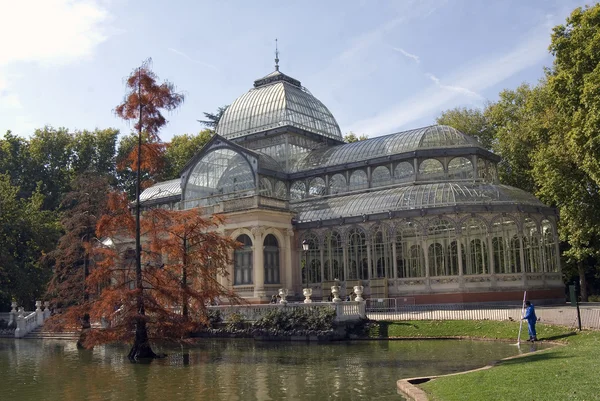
(411, 197)
(161, 190)
(436, 136)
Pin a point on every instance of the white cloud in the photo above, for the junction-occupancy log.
(49, 31)
(477, 76)
(458, 89)
(182, 54)
(46, 32)
(411, 56)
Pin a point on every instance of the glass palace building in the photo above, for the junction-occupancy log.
(417, 215)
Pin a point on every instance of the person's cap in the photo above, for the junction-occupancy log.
(527, 303)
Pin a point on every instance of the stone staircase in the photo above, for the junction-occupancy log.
(41, 334)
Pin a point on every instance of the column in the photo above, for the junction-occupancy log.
(288, 268)
(258, 266)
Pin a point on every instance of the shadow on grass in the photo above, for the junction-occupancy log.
(528, 358)
(559, 337)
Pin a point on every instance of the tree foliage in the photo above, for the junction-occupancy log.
(472, 122)
(73, 254)
(212, 119)
(27, 232)
(180, 151)
(351, 137)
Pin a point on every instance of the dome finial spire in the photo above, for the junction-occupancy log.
(276, 56)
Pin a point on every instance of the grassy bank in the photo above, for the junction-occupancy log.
(560, 373)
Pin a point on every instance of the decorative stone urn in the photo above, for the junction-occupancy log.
(358, 290)
(335, 290)
(283, 292)
(307, 293)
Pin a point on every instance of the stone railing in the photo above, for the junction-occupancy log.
(25, 322)
(345, 311)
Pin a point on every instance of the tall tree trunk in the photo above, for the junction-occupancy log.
(582, 281)
(141, 345)
(184, 300)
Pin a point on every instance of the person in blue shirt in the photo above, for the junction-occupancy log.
(531, 321)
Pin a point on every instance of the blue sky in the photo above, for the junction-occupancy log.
(379, 66)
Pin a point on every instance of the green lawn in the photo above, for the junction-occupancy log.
(569, 372)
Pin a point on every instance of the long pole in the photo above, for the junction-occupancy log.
(521, 320)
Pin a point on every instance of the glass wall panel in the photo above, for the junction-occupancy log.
(460, 168)
(431, 169)
(474, 233)
(358, 262)
(311, 260)
(381, 254)
(549, 246)
(217, 175)
(410, 259)
(271, 259)
(404, 172)
(242, 261)
(506, 246)
(380, 176)
(531, 246)
(442, 233)
(337, 184)
(317, 187)
(482, 171)
(265, 187)
(280, 191)
(298, 190)
(358, 180)
(333, 256)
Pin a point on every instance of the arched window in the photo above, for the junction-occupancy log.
(280, 191)
(311, 260)
(431, 169)
(549, 246)
(271, 259)
(475, 236)
(531, 246)
(380, 176)
(482, 171)
(453, 258)
(515, 255)
(333, 256)
(242, 261)
(265, 187)
(317, 187)
(358, 263)
(442, 233)
(460, 168)
(404, 172)
(381, 258)
(410, 259)
(358, 180)
(337, 184)
(220, 173)
(298, 190)
(436, 260)
(499, 254)
(506, 246)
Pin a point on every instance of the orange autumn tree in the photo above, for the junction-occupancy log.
(183, 257)
(143, 103)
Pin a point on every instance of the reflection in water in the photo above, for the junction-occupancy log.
(214, 370)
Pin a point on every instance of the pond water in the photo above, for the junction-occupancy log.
(214, 370)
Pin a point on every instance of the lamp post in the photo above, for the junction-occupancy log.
(307, 292)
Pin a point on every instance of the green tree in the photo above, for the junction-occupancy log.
(351, 137)
(472, 122)
(212, 119)
(180, 151)
(26, 233)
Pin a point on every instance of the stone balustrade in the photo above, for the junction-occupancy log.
(24, 321)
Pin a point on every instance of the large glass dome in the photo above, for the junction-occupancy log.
(277, 100)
